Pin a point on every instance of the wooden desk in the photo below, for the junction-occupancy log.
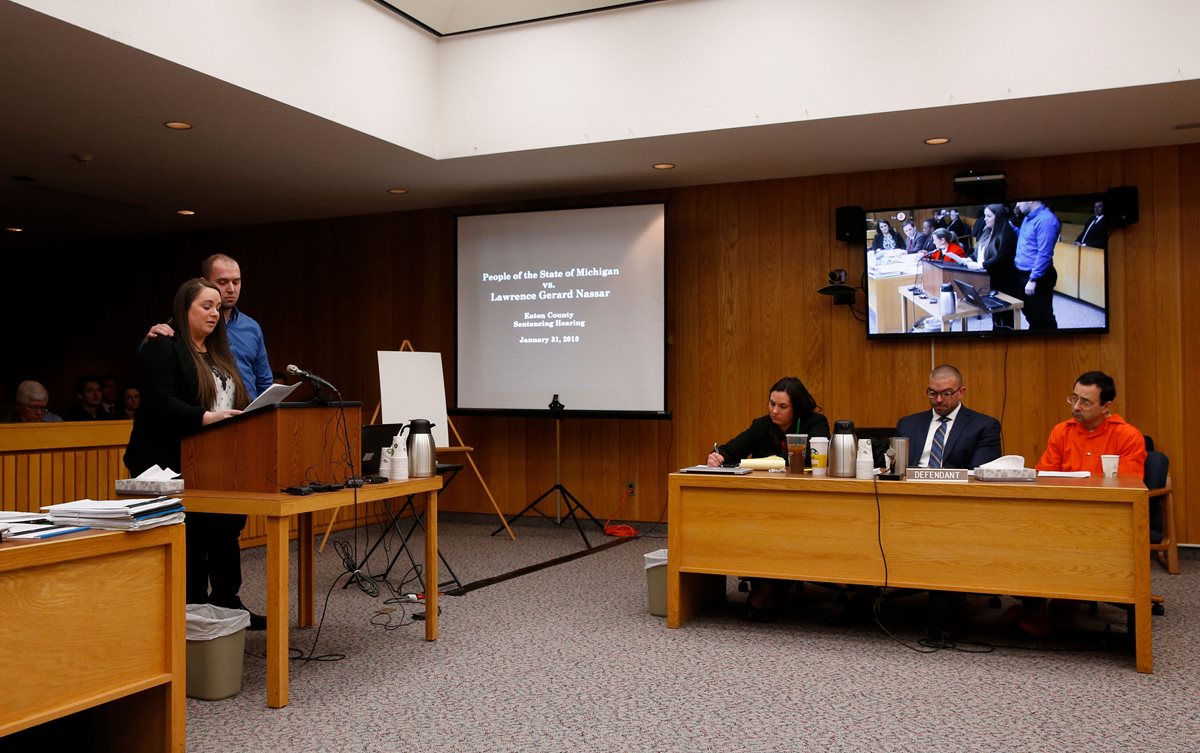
(962, 310)
(278, 508)
(1059, 538)
(93, 650)
(881, 291)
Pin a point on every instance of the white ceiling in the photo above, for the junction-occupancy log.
(250, 159)
(449, 17)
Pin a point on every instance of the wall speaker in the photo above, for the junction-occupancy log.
(850, 224)
(1121, 206)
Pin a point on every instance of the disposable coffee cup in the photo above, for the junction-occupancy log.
(1110, 463)
(797, 446)
(820, 455)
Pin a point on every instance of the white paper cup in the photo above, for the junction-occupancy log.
(819, 447)
(1110, 463)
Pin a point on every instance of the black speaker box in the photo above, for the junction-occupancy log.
(1121, 206)
(850, 224)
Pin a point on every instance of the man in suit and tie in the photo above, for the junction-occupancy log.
(950, 435)
(1095, 233)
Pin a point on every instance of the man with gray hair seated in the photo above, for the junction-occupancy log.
(30, 404)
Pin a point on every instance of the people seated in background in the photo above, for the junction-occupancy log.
(790, 410)
(945, 247)
(885, 238)
(1095, 232)
(912, 242)
(950, 435)
(926, 235)
(1094, 430)
(959, 227)
(29, 405)
(110, 394)
(88, 393)
(131, 400)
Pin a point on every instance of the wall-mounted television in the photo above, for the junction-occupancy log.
(964, 270)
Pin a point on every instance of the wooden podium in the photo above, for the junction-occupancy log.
(934, 273)
(268, 450)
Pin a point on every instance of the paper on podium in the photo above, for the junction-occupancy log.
(276, 393)
(1065, 474)
(773, 462)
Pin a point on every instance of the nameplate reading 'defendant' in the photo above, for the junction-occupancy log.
(937, 474)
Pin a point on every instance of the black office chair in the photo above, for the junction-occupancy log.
(1162, 511)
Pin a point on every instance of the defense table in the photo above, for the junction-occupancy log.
(278, 509)
(1057, 537)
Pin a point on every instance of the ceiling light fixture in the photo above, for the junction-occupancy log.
(185, 212)
(178, 125)
(937, 141)
(15, 229)
(397, 191)
(664, 166)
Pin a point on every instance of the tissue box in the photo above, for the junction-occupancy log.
(137, 486)
(1006, 474)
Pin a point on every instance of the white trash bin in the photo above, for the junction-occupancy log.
(656, 581)
(216, 642)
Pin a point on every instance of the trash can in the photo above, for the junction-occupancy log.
(656, 581)
(216, 641)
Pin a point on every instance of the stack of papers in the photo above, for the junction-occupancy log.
(118, 514)
(30, 525)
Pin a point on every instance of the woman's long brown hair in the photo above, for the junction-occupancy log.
(217, 343)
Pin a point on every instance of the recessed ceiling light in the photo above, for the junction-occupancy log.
(397, 191)
(185, 212)
(15, 229)
(664, 166)
(178, 125)
(937, 141)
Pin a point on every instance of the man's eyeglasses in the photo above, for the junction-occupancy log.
(944, 394)
(35, 408)
(1083, 402)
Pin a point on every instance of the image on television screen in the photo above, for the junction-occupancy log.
(1037, 266)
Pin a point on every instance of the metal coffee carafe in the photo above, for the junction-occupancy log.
(422, 455)
(843, 450)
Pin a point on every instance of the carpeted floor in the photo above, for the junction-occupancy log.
(569, 659)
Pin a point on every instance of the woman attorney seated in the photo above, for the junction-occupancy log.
(790, 410)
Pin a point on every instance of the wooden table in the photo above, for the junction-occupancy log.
(962, 310)
(1058, 537)
(278, 509)
(93, 642)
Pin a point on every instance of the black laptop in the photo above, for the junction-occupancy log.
(985, 303)
(375, 437)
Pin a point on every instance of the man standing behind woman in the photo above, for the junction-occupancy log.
(188, 381)
(790, 410)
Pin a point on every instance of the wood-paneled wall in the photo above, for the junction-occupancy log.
(744, 263)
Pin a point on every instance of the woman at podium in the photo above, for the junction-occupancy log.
(189, 381)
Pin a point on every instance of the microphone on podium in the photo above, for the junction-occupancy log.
(295, 370)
